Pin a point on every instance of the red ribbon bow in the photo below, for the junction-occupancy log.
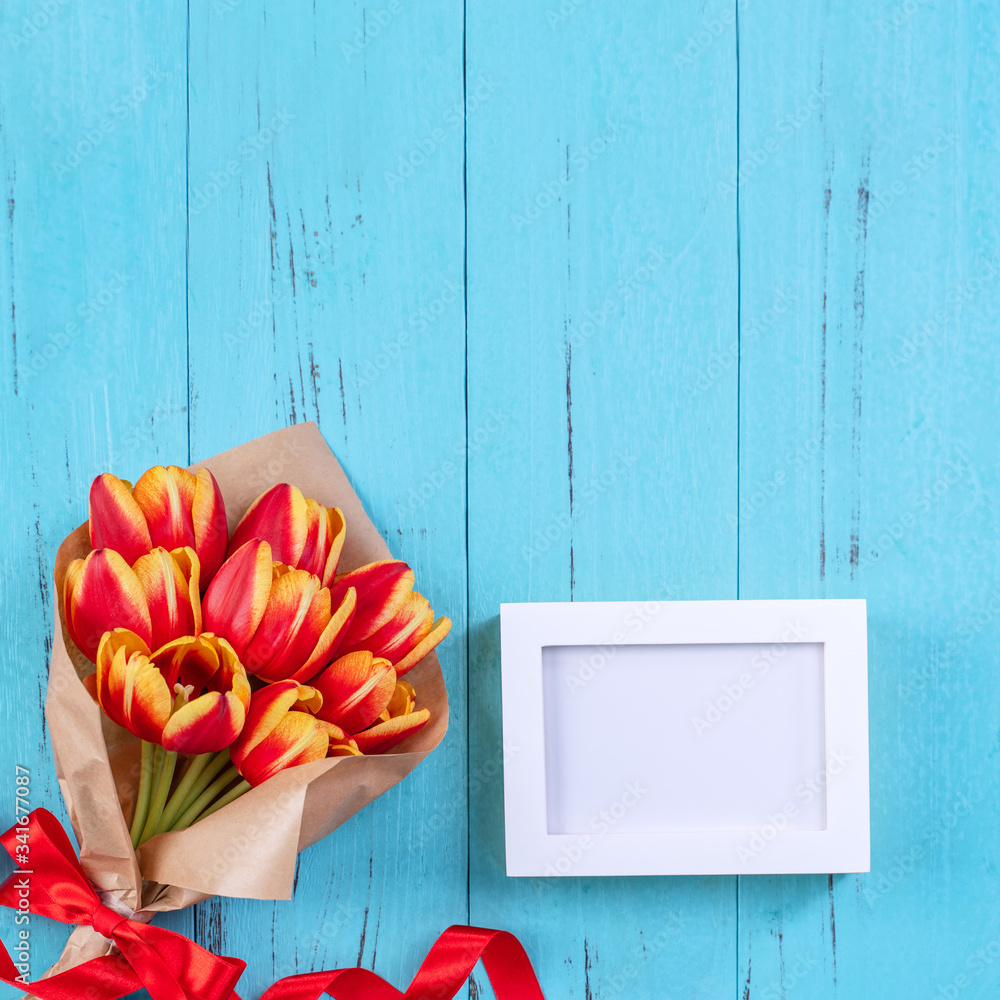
(171, 967)
(168, 965)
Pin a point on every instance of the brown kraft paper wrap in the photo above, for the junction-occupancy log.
(248, 848)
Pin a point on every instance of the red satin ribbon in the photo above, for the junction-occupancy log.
(168, 965)
(443, 973)
(171, 967)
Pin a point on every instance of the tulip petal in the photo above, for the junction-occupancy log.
(309, 700)
(334, 731)
(338, 534)
(405, 630)
(191, 569)
(111, 642)
(295, 619)
(90, 683)
(438, 631)
(116, 521)
(402, 701)
(207, 724)
(385, 735)
(382, 587)
(232, 676)
(236, 598)
(356, 689)
(267, 707)
(170, 582)
(165, 496)
(317, 540)
(330, 640)
(278, 516)
(131, 690)
(297, 739)
(100, 593)
(208, 518)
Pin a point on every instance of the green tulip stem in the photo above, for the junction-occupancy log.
(161, 793)
(230, 796)
(195, 767)
(145, 792)
(215, 763)
(158, 755)
(194, 811)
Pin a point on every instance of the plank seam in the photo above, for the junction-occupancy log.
(187, 223)
(739, 416)
(465, 307)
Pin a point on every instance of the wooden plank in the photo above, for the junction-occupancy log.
(602, 286)
(867, 459)
(92, 328)
(326, 284)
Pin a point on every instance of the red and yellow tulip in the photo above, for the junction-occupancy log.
(399, 720)
(302, 532)
(157, 598)
(279, 620)
(355, 690)
(281, 732)
(391, 621)
(190, 696)
(168, 507)
(299, 631)
(100, 593)
(360, 693)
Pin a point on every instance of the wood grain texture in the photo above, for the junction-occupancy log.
(601, 281)
(326, 286)
(867, 465)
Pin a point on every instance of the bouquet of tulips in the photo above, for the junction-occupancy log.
(237, 669)
(241, 655)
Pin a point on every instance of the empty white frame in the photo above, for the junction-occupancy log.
(685, 737)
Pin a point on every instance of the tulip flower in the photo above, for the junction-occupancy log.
(358, 690)
(191, 696)
(100, 593)
(355, 690)
(168, 507)
(281, 732)
(279, 620)
(299, 631)
(391, 620)
(302, 532)
(396, 723)
(157, 598)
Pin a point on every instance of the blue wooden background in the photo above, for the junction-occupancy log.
(692, 300)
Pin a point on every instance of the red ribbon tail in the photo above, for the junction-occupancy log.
(344, 984)
(454, 955)
(444, 972)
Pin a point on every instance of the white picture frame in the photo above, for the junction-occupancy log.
(735, 731)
